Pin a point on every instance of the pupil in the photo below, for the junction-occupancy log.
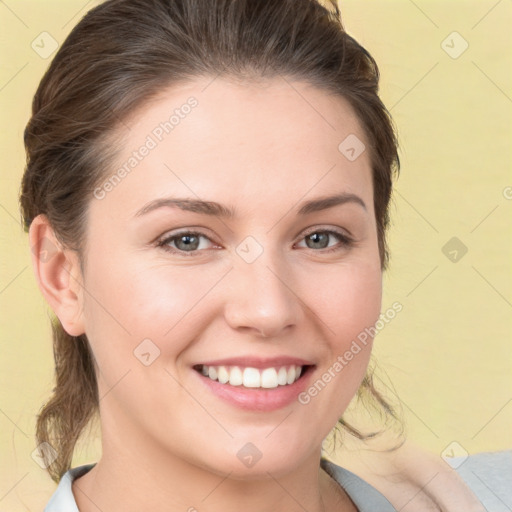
(188, 241)
(318, 238)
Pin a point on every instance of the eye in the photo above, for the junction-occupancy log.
(189, 243)
(184, 242)
(319, 239)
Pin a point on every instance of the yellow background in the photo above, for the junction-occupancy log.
(448, 353)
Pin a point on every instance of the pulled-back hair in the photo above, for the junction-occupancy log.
(121, 54)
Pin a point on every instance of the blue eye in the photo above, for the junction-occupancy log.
(319, 239)
(189, 243)
(184, 242)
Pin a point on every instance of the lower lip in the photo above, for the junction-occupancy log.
(258, 399)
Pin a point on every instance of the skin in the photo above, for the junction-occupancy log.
(412, 479)
(262, 150)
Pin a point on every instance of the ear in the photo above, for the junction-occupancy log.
(58, 275)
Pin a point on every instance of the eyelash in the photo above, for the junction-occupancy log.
(345, 241)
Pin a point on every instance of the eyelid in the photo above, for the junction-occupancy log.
(340, 231)
(171, 235)
(345, 239)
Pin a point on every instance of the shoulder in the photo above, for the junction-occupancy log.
(413, 480)
(62, 499)
(364, 496)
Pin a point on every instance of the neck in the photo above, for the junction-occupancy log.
(136, 476)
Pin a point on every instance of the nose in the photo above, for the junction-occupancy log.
(262, 297)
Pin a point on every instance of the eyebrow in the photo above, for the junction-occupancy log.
(218, 210)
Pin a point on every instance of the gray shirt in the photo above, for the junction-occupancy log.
(365, 497)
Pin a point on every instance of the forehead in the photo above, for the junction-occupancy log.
(266, 142)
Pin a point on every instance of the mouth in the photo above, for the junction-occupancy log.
(254, 378)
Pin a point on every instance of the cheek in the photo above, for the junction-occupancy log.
(130, 302)
(349, 309)
(349, 302)
(173, 307)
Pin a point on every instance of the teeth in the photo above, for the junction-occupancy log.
(281, 376)
(212, 372)
(290, 377)
(267, 378)
(222, 375)
(236, 377)
(252, 378)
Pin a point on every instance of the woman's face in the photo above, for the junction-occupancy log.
(282, 281)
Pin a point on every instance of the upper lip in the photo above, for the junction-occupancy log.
(258, 362)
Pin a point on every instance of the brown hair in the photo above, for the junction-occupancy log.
(122, 53)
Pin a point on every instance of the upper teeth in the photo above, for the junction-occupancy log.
(253, 377)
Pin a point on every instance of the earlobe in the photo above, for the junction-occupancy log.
(58, 275)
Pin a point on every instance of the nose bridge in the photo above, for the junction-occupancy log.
(262, 296)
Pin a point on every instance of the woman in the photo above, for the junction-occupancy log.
(207, 196)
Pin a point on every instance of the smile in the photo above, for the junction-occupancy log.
(248, 377)
(256, 383)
